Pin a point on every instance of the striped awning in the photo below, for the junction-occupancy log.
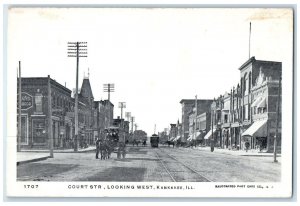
(177, 138)
(258, 128)
(172, 138)
(208, 135)
(262, 103)
(256, 102)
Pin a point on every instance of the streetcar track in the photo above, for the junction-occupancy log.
(189, 168)
(163, 164)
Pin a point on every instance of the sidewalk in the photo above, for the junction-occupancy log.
(253, 153)
(89, 149)
(26, 156)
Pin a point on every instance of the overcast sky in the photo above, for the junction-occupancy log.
(155, 57)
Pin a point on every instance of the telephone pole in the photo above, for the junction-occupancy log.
(77, 49)
(135, 126)
(128, 116)
(212, 142)
(132, 120)
(108, 88)
(249, 40)
(122, 105)
(19, 110)
(195, 128)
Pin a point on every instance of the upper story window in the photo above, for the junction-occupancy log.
(225, 118)
(246, 84)
(250, 82)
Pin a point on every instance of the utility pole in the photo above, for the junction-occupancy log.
(195, 128)
(108, 88)
(50, 135)
(77, 49)
(249, 40)
(212, 130)
(135, 126)
(122, 105)
(132, 120)
(19, 110)
(128, 116)
(277, 119)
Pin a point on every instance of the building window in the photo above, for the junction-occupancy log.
(245, 84)
(39, 131)
(250, 82)
(24, 130)
(225, 118)
(38, 103)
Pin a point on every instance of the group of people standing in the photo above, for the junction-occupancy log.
(105, 147)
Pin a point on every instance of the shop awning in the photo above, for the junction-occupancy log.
(177, 138)
(262, 103)
(208, 135)
(258, 128)
(256, 101)
(172, 138)
(198, 135)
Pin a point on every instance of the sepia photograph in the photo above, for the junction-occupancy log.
(149, 102)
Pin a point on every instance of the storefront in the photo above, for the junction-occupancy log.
(256, 135)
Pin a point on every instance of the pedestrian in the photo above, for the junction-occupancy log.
(247, 145)
(97, 147)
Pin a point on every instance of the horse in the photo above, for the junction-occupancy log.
(171, 143)
(135, 143)
(103, 147)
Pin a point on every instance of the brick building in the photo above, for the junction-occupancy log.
(187, 108)
(104, 113)
(34, 119)
(261, 133)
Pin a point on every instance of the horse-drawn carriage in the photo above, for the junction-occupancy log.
(113, 141)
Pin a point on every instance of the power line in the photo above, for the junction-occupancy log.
(109, 88)
(77, 49)
(122, 105)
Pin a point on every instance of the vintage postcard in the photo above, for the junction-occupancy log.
(149, 102)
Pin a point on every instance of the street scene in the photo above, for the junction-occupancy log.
(152, 96)
(146, 164)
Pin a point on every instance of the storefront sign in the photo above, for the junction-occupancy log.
(26, 101)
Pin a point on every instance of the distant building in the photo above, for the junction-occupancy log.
(225, 120)
(104, 110)
(140, 135)
(87, 114)
(187, 107)
(203, 125)
(235, 117)
(173, 132)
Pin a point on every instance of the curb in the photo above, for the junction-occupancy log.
(244, 155)
(32, 160)
(42, 151)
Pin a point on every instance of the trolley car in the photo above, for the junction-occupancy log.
(154, 139)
